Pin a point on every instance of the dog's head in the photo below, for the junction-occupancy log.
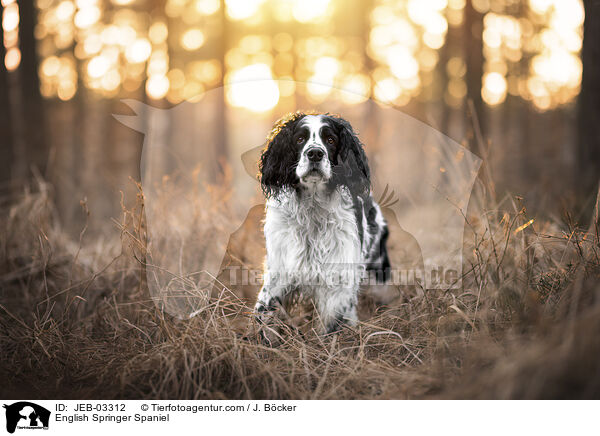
(306, 151)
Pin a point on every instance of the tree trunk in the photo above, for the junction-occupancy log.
(35, 138)
(589, 101)
(473, 30)
(5, 119)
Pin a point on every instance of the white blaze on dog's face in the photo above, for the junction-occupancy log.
(317, 152)
(318, 143)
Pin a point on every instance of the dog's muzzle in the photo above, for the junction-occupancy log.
(315, 154)
(313, 166)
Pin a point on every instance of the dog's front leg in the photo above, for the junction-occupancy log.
(270, 299)
(337, 307)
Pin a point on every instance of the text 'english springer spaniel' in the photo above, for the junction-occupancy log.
(323, 228)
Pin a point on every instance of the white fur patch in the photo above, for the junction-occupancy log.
(313, 123)
(319, 238)
(313, 246)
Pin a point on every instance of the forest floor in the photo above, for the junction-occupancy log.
(77, 321)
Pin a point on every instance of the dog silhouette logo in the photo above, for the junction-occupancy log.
(26, 415)
(203, 205)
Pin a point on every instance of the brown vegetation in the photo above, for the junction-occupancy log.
(76, 321)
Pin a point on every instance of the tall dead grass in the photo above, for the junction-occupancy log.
(76, 321)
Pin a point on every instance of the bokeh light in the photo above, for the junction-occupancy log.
(192, 39)
(242, 9)
(395, 52)
(10, 31)
(494, 88)
(252, 87)
(12, 59)
(549, 38)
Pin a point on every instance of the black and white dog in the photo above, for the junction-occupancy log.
(323, 229)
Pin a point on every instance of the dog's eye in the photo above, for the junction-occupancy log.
(300, 140)
(331, 140)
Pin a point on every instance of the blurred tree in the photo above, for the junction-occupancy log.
(589, 100)
(221, 147)
(34, 138)
(473, 29)
(5, 117)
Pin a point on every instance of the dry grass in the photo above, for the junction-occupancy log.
(77, 322)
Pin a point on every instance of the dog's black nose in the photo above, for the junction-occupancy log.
(314, 154)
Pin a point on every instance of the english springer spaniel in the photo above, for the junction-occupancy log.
(323, 229)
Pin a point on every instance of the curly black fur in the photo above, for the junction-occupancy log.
(279, 159)
(350, 166)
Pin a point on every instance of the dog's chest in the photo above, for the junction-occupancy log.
(310, 237)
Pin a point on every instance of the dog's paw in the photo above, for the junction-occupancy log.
(269, 336)
(267, 330)
(336, 325)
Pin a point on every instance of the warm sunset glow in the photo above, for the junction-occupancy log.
(10, 28)
(10, 17)
(65, 10)
(207, 7)
(139, 51)
(560, 68)
(98, 66)
(157, 86)
(321, 83)
(355, 89)
(253, 88)
(554, 66)
(402, 63)
(494, 88)
(287, 86)
(306, 11)
(241, 9)
(158, 65)
(50, 66)
(158, 32)
(12, 59)
(387, 90)
(115, 46)
(192, 39)
(66, 90)
(87, 15)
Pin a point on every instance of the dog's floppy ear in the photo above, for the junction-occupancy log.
(278, 160)
(352, 167)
